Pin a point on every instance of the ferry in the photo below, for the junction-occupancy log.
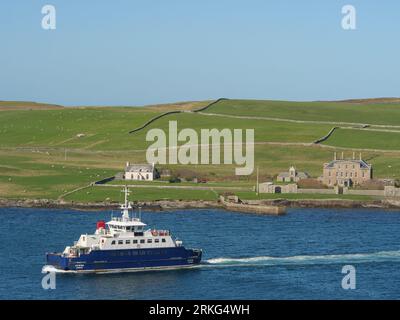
(123, 244)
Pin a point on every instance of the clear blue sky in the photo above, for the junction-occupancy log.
(132, 52)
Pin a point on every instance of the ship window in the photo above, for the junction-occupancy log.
(163, 240)
(142, 241)
(157, 240)
(113, 242)
(149, 241)
(128, 242)
(120, 242)
(134, 241)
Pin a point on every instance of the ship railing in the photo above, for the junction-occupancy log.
(160, 232)
(118, 219)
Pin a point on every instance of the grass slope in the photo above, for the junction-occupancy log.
(372, 113)
(27, 171)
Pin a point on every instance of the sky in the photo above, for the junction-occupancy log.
(130, 52)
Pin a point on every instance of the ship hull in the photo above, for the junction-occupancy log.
(127, 260)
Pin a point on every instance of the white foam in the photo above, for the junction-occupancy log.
(309, 259)
(48, 268)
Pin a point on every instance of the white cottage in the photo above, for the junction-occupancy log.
(144, 172)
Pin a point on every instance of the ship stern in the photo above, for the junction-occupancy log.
(57, 261)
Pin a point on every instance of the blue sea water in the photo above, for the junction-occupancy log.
(296, 256)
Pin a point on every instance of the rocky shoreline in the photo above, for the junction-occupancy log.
(179, 205)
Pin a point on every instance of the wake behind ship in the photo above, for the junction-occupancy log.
(123, 244)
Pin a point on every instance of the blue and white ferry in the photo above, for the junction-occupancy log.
(124, 244)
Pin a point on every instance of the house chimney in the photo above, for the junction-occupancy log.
(354, 155)
(360, 156)
(334, 155)
(342, 155)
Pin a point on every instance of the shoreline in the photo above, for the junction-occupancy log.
(161, 205)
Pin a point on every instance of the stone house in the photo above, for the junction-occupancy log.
(346, 172)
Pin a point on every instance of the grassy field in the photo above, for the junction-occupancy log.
(370, 113)
(99, 194)
(365, 139)
(42, 157)
(108, 129)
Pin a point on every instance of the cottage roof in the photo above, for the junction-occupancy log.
(139, 168)
(299, 174)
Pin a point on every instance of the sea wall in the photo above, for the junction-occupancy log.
(258, 209)
(253, 206)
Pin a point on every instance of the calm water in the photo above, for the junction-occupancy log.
(296, 256)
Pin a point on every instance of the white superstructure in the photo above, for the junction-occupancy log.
(124, 232)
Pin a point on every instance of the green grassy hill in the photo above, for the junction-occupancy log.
(387, 113)
(41, 155)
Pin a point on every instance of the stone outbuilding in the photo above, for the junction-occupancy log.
(270, 187)
(292, 175)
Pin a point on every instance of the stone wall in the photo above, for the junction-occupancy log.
(318, 191)
(391, 191)
(379, 193)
